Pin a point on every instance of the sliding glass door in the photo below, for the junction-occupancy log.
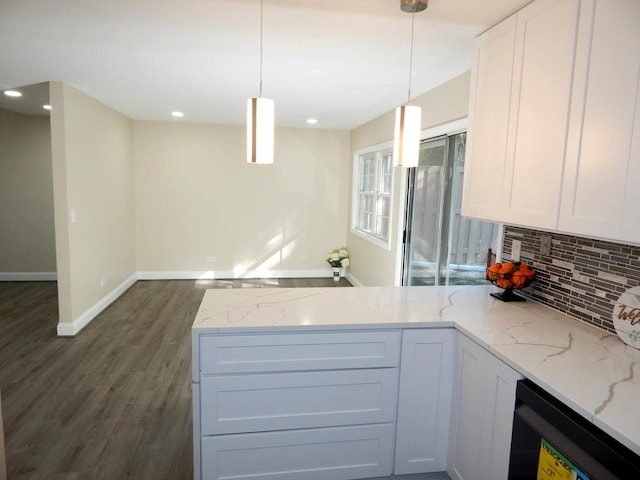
(441, 247)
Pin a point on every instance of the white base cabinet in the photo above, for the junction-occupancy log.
(330, 405)
(482, 414)
(424, 401)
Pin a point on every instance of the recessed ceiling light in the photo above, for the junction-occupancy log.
(177, 114)
(46, 106)
(312, 121)
(12, 93)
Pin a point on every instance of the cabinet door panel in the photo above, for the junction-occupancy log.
(488, 122)
(543, 72)
(298, 351)
(328, 453)
(482, 416)
(602, 165)
(631, 213)
(502, 381)
(424, 403)
(279, 401)
(467, 415)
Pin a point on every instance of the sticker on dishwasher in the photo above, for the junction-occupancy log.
(552, 465)
(626, 317)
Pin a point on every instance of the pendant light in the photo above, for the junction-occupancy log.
(260, 121)
(406, 143)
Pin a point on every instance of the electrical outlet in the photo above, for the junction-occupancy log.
(516, 249)
(103, 281)
(211, 259)
(545, 245)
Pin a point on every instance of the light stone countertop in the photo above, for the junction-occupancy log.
(592, 371)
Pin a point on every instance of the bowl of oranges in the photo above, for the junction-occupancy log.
(510, 276)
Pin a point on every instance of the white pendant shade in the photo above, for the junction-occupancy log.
(406, 143)
(260, 126)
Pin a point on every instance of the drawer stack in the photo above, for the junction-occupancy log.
(295, 405)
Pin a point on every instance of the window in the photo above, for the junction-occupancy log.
(374, 178)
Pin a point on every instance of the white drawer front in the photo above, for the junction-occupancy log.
(327, 454)
(298, 351)
(280, 401)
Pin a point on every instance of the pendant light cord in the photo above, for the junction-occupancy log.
(413, 19)
(261, 48)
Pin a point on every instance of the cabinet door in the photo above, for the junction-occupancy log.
(600, 196)
(631, 212)
(488, 122)
(501, 384)
(545, 50)
(482, 416)
(467, 411)
(424, 401)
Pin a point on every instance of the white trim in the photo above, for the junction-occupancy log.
(28, 276)
(353, 280)
(400, 226)
(229, 274)
(450, 128)
(71, 329)
(385, 244)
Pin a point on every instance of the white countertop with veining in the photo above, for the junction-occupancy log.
(592, 371)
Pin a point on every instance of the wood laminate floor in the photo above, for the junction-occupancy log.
(114, 402)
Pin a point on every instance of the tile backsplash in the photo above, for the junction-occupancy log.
(582, 277)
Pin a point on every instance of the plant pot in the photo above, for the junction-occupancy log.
(336, 274)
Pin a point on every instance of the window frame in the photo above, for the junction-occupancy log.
(377, 153)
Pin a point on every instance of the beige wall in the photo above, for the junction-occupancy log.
(27, 240)
(196, 197)
(371, 264)
(159, 198)
(93, 175)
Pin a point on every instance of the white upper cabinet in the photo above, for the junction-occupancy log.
(600, 194)
(570, 160)
(520, 98)
(489, 118)
(545, 46)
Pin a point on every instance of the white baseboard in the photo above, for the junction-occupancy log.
(353, 280)
(71, 329)
(28, 276)
(212, 275)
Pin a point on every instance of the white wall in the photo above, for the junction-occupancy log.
(196, 197)
(372, 265)
(27, 240)
(92, 148)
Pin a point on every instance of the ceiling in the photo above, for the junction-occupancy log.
(341, 62)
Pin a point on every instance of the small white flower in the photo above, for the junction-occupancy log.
(343, 252)
(345, 262)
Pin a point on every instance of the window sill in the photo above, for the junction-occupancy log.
(385, 244)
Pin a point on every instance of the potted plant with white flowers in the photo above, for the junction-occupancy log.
(339, 260)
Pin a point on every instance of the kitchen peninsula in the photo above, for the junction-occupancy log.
(252, 345)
